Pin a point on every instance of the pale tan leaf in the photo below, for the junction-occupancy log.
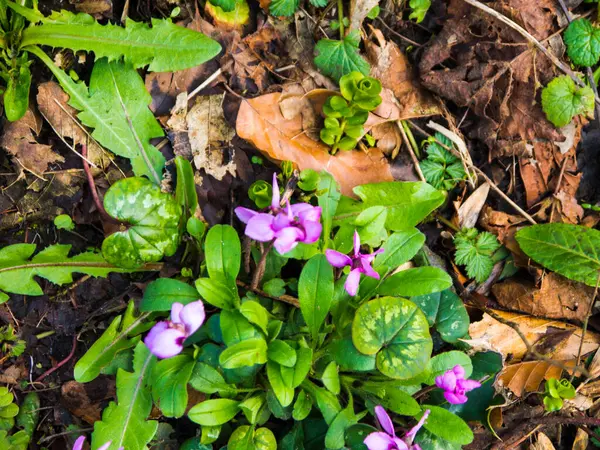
(359, 10)
(542, 443)
(468, 212)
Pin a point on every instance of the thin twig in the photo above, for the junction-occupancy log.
(60, 364)
(395, 33)
(92, 185)
(282, 298)
(65, 433)
(204, 84)
(411, 152)
(523, 32)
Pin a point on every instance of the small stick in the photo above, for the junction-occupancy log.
(204, 84)
(411, 152)
(60, 364)
(92, 185)
(282, 298)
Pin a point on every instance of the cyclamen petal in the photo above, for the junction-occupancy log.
(175, 312)
(367, 269)
(447, 381)
(468, 385)
(384, 420)
(287, 239)
(276, 198)
(154, 333)
(356, 244)
(352, 282)
(459, 371)
(454, 398)
(79, 443)
(244, 214)
(410, 436)
(192, 316)
(379, 441)
(106, 446)
(260, 229)
(168, 343)
(312, 232)
(337, 259)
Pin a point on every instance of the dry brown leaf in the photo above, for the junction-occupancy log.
(468, 212)
(390, 65)
(97, 8)
(542, 443)
(387, 136)
(557, 297)
(261, 122)
(591, 389)
(579, 403)
(526, 377)
(489, 334)
(581, 440)
(53, 105)
(594, 367)
(568, 207)
(86, 400)
(18, 139)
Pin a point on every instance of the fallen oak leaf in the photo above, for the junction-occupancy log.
(261, 122)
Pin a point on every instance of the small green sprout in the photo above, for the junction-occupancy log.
(64, 222)
(260, 193)
(556, 392)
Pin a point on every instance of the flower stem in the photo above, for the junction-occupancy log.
(260, 267)
(340, 7)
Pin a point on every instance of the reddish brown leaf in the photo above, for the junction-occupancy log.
(526, 377)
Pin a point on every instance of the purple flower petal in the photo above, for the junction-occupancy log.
(244, 214)
(400, 444)
(367, 269)
(352, 282)
(459, 371)
(468, 385)
(447, 381)
(310, 215)
(276, 199)
(455, 399)
(105, 446)
(79, 443)
(287, 239)
(356, 244)
(410, 436)
(192, 316)
(281, 221)
(304, 211)
(259, 228)
(154, 332)
(312, 232)
(168, 343)
(337, 259)
(379, 441)
(384, 420)
(175, 312)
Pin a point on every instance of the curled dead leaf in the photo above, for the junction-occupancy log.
(526, 377)
(469, 210)
(261, 122)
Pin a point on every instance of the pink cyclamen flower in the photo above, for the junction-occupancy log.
(455, 385)
(359, 263)
(286, 226)
(166, 338)
(81, 439)
(387, 439)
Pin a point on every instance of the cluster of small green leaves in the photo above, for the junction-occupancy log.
(345, 115)
(137, 43)
(441, 168)
(26, 418)
(563, 99)
(257, 359)
(476, 251)
(556, 392)
(10, 344)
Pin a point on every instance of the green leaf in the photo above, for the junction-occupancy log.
(18, 269)
(256, 313)
(225, 5)
(416, 281)
(338, 58)
(124, 423)
(583, 42)
(328, 195)
(474, 250)
(121, 335)
(446, 311)
(283, 392)
(319, 3)
(335, 437)
(236, 328)
(356, 435)
(407, 203)
(185, 191)
(245, 353)
(116, 106)
(284, 8)
(331, 378)
(418, 9)
(296, 375)
(302, 406)
(214, 412)
(397, 331)
(245, 438)
(255, 407)
(208, 380)
(217, 294)
(315, 292)
(570, 250)
(165, 47)
(16, 95)
(64, 222)
(160, 294)
(169, 384)
(29, 413)
(223, 254)
(393, 398)
(562, 100)
(281, 353)
(443, 362)
(327, 403)
(153, 217)
(447, 426)
(432, 442)
(349, 358)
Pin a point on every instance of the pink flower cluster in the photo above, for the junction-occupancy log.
(455, 385)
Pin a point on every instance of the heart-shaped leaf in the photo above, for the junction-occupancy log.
(397, 332)
(153, 219)
(446, 311)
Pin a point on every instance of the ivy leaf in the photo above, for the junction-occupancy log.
(562, 100)
(419, 9)
(165, 47)
(284, 8)
(337, 58)
(122, 334)
(569, 250)
(18, 269)
(475, 251)
(225, 5)
(169, 384)
(154, 223)
(583, 42)
(446, 311)
(124, 423)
